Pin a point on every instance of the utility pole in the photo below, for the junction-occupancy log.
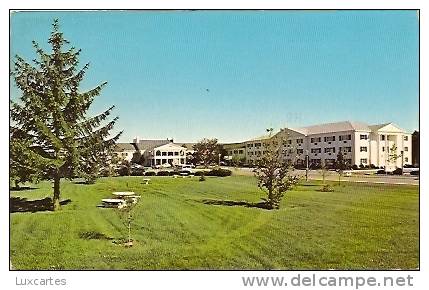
(306, 166)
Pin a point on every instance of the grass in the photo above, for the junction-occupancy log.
(358, 226)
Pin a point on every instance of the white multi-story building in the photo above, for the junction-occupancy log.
(384, 145)
(153, 152)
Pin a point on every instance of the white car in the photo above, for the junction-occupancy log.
(186, 168)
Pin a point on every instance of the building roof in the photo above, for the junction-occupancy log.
(119, 147)
(150, 144)
(333, 127)
(263, 137)
(391, 127)
(189, 146)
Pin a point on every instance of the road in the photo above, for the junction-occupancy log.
(358, 178)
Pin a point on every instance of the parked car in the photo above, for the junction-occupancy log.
(186, 168)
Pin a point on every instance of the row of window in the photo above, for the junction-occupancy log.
(383, 137)
(170, 153)
(365, 160)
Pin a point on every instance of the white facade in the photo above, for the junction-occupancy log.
(384, 145)
(171, 153)
(152, 152)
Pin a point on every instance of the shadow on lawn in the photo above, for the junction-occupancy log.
(21, 188)
(235, 203)
(19, 204)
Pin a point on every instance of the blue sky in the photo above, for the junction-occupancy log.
(231, 74)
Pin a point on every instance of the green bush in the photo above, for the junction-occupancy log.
(202, 178)
(327, 188)
(397, 171)
(150, 173)
(219, 172)
(163, 173)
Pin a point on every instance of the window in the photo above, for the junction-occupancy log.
(330, 150)
(240, 151)
(318, 139)
(176, 153)
(290, 151)
(329, 139)
(364, 137)
(257, 144)
(170, 153)
(344, 137)
(164, 153)
(382, 137)
(406, 159)
(158, 153)
(316, 150)
(249, 145)
(299, 141)
(405, 148)
(346, 149)
(405, 138)
(363, 149)
(299, 151)
(383, 149)
(235, 151)
(364, 161)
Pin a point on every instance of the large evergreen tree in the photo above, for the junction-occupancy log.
(51, 121)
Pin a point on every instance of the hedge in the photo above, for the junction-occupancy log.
(219, 172)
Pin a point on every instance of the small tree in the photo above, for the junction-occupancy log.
(126, 214)
(273, 173)
(206, 152)
(323, 171)
(340, 165)
(393, 155)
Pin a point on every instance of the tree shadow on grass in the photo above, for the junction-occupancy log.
(261, 204)
(22, 188)
(19, 204)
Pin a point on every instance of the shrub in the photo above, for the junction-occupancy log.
(199, 173)
(397, 171)
(137, 172)
(372, 166)
(219, 172)
(150, 173)
(415, 172)
(163, 173)
(355, 167)
(124, 171)
(327, 188)
(381, 171)
(202, 178)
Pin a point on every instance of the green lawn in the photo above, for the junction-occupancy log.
(356, 227)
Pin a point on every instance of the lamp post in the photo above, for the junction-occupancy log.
(306, 165)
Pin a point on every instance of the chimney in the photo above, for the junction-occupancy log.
(136, 140)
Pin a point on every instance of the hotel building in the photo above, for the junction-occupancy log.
(383, 145)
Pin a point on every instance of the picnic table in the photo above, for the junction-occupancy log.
(113, 202)
(124, 194)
